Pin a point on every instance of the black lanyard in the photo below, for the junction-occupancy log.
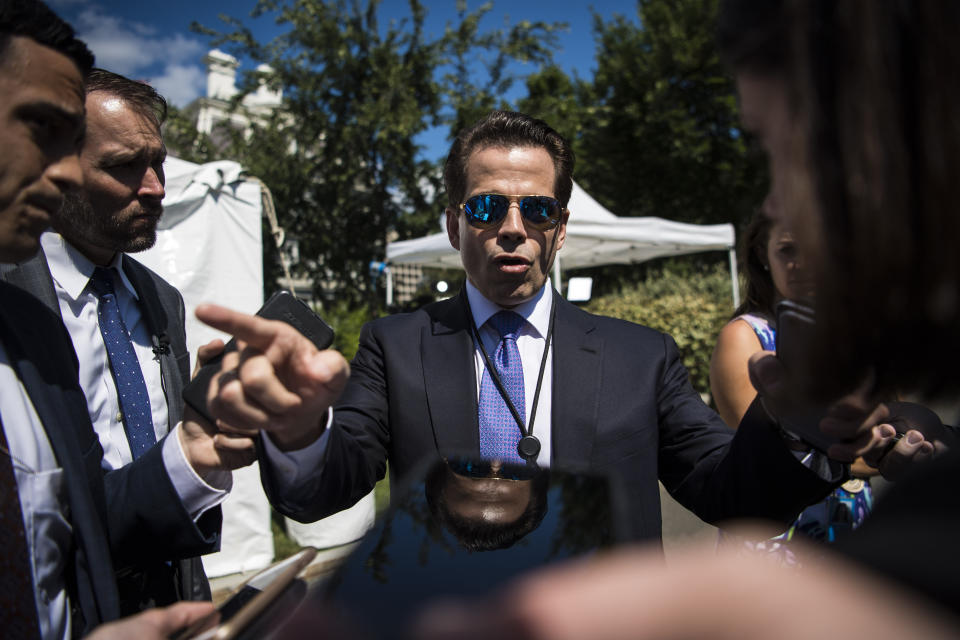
(529, 446)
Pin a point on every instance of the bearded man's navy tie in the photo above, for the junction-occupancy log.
(131, 388)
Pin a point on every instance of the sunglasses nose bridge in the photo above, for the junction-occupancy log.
(512, 222)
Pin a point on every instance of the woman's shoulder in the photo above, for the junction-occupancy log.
(737, 334)
(760, 325)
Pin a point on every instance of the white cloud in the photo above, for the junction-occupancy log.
(171, 63)
(180, 84)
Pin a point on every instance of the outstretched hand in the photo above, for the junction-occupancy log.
(276, 381)
(861, 424)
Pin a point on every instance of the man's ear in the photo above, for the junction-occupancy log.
(453, 228)
(562, 231)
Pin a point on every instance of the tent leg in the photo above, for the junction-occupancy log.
(556, 274)
(389, 287)
(734, 280)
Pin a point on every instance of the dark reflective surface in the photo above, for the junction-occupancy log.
(464, 530)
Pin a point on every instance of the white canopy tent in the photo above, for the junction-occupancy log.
(209, 247)
(594, 237)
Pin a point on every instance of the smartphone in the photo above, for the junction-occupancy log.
(263, 601)
(796, 326)
(282, 305)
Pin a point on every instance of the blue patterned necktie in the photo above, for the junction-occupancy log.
(499, 432)
(131, 388)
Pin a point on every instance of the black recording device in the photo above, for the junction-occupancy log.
(281, 306)
(796, 325)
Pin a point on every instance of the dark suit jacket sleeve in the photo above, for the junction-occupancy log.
(146, 519)
(751, 475)
(356, 452)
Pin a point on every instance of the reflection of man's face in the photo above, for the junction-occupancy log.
(507, 263)
(766, 111)
(486, 500)
(41, 123)
(122, 159)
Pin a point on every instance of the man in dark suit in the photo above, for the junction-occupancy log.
(614, 396)
(117, 211)
(64, 520)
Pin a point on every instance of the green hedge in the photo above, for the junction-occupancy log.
(691, 304)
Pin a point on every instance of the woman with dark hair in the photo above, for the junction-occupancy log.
(857, 112)
(774, 272)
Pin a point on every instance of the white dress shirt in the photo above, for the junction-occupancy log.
(530, 342)
(71, 273)
(43, 502)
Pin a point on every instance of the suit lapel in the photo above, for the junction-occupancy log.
(43, 362)
(160, 336)
(446, 349)
(33, 276)
(577, 352)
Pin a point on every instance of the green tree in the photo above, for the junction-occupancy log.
(662, 137)
(340, 156)
(565, 104)
(182, 139)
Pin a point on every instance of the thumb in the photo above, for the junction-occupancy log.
(767, 374)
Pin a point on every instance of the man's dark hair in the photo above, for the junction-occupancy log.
(33, 19)
(508, 129)
(144, 98)
(476, 535)
(754, 35)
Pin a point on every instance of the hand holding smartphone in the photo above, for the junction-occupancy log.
(264, 601)
(799, 415)
(281, 306)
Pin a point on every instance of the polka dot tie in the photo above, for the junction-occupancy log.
(131, 388)
(499, 432)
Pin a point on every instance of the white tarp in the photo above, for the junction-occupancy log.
(594, 237)
(209, 247)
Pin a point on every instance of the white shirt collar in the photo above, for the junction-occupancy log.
(72, 270)
(536, 311)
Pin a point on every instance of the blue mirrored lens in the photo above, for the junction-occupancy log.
(540, 210)
(488, 209)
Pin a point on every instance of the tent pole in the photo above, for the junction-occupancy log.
(734, 280)
(556, 274)
(389, 286)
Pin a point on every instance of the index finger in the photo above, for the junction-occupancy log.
(254, 330)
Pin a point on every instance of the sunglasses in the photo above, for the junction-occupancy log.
(484, 469)
(487, 210)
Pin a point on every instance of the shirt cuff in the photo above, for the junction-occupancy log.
(290, 466)
(198, 495)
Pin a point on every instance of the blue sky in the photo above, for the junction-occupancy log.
(152, 40)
